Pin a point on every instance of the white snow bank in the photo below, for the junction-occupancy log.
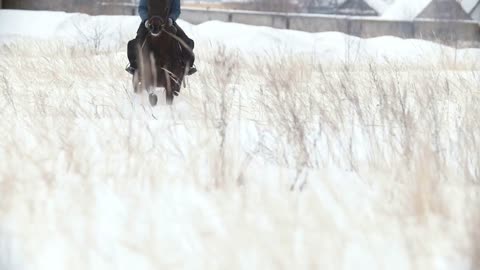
(325, 45)
(69, 27)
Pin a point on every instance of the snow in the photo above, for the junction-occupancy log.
(409, 10)
(32, 23)
(468, 5)
(379, 5)
(405, 9)
(286, 150)
(71, 27)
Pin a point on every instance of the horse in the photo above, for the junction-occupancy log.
(160, 56)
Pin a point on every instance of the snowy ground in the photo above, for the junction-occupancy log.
(287, 150)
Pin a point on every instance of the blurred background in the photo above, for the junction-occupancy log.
(454, 22)
(433, 9)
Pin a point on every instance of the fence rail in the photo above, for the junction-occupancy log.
(120, 4)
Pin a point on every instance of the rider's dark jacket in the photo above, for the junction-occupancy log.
(174, 9)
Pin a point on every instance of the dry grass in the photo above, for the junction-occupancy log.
(281, 164)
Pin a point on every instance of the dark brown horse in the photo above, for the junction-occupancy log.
(160, 60)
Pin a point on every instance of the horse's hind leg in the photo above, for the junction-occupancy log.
(177, 86)
(152, 97)
(137, 84)
(169, 91)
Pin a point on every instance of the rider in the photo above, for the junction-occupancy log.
(142, 33)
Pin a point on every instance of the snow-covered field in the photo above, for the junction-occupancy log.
(287, 150)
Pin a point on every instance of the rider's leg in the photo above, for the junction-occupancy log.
(187, 53)
(181, 34)
(142, 32)
(133, 47)
(131, 52)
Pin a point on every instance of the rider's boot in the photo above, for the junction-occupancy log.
(192, 70)
(130, 69)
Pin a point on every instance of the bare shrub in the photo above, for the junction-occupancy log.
(94, 38)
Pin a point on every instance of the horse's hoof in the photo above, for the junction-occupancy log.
(153, 99)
